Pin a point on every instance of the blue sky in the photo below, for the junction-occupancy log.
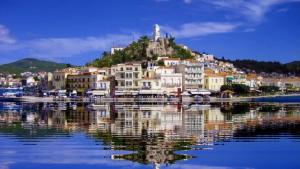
(77, 31)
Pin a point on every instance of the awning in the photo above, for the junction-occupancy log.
(126, 92)
(200, 92)
(151, 92)
(185, 93)
(99, 92)
(62, 91)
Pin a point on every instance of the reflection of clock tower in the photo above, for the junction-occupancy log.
(156, 32)
(156, 166)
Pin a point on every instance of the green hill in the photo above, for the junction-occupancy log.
(142, 50)
(266, 66)
(145, 49)
(31, 65)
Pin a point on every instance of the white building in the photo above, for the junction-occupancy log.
(171, 61)
(128, 77)
(30, 81)
(114, 49)
(171, 82)
(192, 74)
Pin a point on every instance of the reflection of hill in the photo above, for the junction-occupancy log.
(271, 128)
(30, 132)
(154, 148)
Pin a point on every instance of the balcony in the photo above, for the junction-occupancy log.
(170, 85)
(146, 87)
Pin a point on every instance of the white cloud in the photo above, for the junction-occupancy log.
(253, 10)
(190, 30)
(282, 10)
(184, 1)
(5, 36)
(187, 1)
(65, 47)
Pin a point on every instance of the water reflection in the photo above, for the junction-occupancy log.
(157, 135)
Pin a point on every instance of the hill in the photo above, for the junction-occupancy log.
(142, 50)
(265, 66)
(31, 65)
(146, 49)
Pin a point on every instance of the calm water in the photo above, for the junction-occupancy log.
(221, 136)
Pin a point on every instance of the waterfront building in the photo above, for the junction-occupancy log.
(273, 82)
(128, 77)
(283, 83)
(150, 85)
(253, 81)
(239, 78)
(85, 82)
(213, 81)
(192, 74)
(292, 81)
(11, 82)
(171, 82)
(60, 77)
(29, 82)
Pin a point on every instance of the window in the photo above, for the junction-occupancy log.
(128, 83)
(122, 75)
(136, 75)
(129, 75)
(136, 68)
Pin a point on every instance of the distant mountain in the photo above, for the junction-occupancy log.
(265, 66)
(31, 65)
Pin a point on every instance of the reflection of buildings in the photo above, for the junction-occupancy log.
(153, 119)
(152, 132)
(193, 121)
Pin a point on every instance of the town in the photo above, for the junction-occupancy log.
(198, 78)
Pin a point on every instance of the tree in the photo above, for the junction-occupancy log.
(160, 63)
(239, 89)
(269, 89)
(226, 87)
(68, 65)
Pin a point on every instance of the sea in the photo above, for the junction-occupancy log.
(253, 135)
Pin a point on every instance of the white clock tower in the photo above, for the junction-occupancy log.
(156, 32)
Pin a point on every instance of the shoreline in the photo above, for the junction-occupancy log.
(34, 99)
